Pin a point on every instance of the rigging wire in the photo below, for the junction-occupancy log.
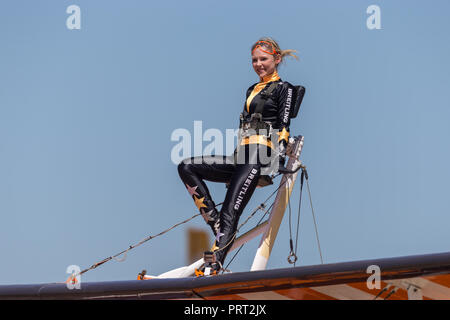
(299, 206)
(292, 257)
(261, 206)
(314, 216)
(293, 254)
(124, 252)
(259, 222)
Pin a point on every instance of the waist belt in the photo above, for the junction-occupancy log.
(255, 131)
(256, 139)
(255, 125)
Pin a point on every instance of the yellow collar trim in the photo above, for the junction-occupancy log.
(271, 77)
(265, 80)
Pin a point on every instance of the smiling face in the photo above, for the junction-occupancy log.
(264, 63)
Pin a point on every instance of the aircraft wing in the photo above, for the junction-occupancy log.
(411, 277)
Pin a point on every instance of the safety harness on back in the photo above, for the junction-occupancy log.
(254, 128)
(256, 125)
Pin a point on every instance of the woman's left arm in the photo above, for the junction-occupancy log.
(285, 103)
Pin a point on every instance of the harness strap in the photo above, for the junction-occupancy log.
(265, 94)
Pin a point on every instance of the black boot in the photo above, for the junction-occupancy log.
(211, 266)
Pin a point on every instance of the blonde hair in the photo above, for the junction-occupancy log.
(281, 53)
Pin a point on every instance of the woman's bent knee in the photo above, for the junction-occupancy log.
(184, 166)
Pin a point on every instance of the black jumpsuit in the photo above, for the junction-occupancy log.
(242, 178)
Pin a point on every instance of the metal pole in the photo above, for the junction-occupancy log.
(280, 204)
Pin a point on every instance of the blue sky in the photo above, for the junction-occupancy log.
(86, 118)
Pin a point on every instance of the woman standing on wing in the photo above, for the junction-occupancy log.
(272, 99)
